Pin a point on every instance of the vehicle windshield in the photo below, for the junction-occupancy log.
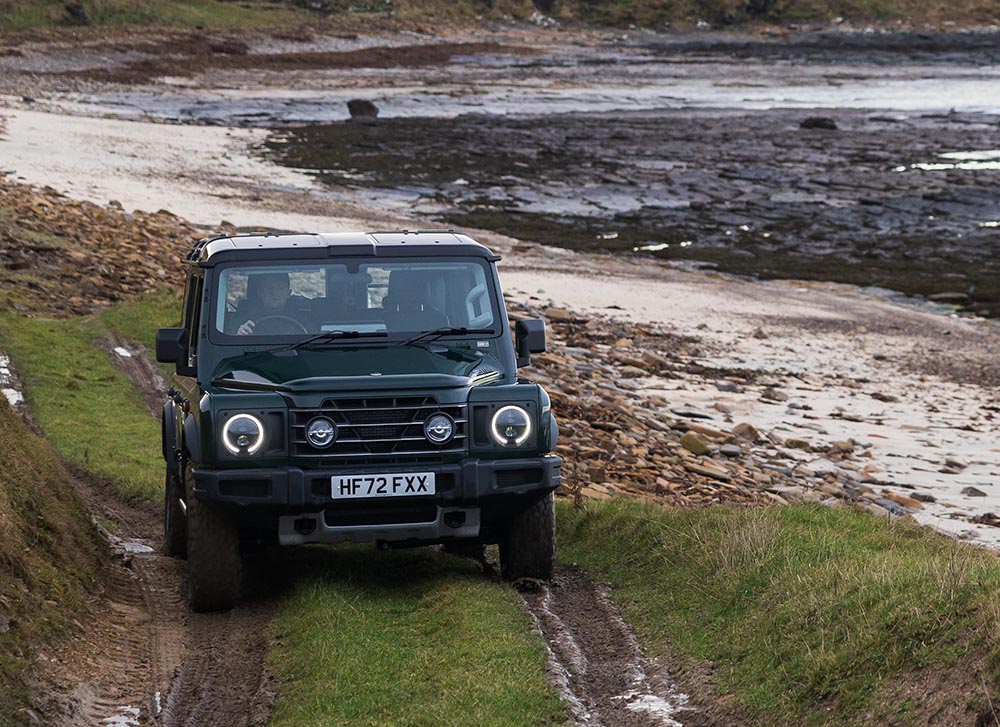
(397, 298)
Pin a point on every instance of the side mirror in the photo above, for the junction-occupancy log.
(529, 338)
(171, 346)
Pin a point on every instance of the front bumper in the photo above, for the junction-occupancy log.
(470, 493)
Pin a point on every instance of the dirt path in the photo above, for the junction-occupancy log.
(145, 659)
(598, 667)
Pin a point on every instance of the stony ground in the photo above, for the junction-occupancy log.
(65, 258)
(624, 429)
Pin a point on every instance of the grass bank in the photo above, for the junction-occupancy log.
(50, 557)
(811, 615)
(86, 406)
(218, 14)
(36, 14)
(406, 638)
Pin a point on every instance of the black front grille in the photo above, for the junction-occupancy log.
(379, 429)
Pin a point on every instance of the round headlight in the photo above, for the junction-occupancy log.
(511, 425)
(321, 432)
(439, 428)
(243, 434)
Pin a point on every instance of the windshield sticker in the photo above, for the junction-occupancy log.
(482, 344)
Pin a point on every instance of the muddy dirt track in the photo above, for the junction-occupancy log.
(146, 659)
(599, 669)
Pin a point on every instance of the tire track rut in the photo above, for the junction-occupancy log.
(595, 661)
(144, 658)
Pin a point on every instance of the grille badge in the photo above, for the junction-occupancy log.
(321, 432)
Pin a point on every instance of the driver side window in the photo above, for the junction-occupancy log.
(268, 300)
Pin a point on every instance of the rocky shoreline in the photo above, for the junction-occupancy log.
(620, 436)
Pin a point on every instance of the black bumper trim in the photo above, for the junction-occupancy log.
(290, 488)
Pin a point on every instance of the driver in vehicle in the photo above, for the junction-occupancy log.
(269, 308)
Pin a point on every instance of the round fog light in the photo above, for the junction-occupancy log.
(511, 425)
(321, 432)
(439, 428)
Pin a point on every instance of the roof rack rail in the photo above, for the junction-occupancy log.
(412, 232)
(195, 252)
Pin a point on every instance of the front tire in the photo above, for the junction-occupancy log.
(528, 545)
(174, 520)
(215, 568)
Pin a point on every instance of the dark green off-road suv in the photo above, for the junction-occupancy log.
(351, 387)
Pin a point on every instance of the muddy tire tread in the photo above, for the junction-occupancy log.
(528, 547)
(213, 548)
(174, 520)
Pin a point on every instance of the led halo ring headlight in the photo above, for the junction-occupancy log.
(439, 428)
(243, 434)
(321, 432)
(511, 425)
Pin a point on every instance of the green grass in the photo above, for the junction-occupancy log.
(808, 612)
(138, 319)
(89, 410)
(25, 14)
(50, 557)
(406, 638)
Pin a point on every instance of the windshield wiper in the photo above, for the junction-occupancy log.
(445, 331)
(327, 336)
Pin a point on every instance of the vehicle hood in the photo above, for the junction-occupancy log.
(353, 367)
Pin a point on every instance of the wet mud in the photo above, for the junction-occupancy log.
(975, 47)
(145, 659)
(203, 56)
(904, 201)
(599, 669)
(137, 363)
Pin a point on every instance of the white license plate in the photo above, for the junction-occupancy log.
(406, 484)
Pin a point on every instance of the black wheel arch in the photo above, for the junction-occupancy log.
(192, 439)
(168, 429)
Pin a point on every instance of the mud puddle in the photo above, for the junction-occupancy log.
(596, 664)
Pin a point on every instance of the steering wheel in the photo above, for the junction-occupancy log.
(279, 328)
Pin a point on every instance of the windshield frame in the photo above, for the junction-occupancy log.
(393, 338)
